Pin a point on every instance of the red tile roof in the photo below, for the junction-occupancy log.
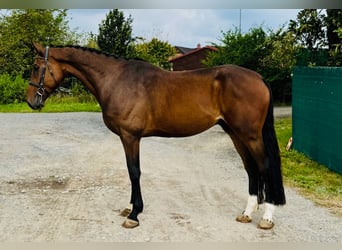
(192, 52)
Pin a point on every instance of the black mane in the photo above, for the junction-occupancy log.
(96, 51)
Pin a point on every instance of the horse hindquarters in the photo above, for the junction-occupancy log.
(250, 125)
(262, 162)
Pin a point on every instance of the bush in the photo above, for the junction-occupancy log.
(72, 91)
(12, 89)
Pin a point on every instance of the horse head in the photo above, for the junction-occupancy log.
(46, 76)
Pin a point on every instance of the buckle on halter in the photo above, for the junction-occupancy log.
(40, 91)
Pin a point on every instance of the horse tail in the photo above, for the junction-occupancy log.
(272, 177)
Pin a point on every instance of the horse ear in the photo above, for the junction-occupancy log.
(39, 48)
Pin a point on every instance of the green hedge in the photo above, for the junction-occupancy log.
(12, 89)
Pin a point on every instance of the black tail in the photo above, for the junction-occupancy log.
(272, 177)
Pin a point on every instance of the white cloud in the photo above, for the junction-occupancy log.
(181, 27)
(270, 18)
(185, 27)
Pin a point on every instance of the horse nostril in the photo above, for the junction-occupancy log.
(35, 105)
(31, 106)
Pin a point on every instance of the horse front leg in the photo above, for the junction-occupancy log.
(131, 145)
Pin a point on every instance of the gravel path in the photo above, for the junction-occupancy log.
(63, 178)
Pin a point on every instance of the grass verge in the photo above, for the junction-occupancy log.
(309, 178)
(55, 104)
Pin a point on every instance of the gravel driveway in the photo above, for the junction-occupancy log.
(63, 178)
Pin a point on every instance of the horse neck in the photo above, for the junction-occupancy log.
(89, 67)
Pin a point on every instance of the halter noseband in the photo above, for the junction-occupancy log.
(40, 86)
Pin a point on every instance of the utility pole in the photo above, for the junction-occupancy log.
(239, 21)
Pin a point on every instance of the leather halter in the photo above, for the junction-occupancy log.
(40, 86)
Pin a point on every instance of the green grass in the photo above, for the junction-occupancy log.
(56, 104)
(308, 177)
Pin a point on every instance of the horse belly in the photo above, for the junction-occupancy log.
(185, 121)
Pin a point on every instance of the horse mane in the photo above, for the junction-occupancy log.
(96, 51)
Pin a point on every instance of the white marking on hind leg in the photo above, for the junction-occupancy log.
(267, 222)
(269, 210)
(252, 205)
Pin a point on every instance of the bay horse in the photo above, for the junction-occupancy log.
(140, 100)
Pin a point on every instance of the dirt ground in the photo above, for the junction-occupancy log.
(63, 178)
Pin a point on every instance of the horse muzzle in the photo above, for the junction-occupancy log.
(37, 102)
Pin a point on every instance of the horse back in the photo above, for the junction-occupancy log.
(189, 102)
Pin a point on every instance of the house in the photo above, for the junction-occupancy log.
(187, 58)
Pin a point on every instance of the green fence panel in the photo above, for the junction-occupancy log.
(317, 114)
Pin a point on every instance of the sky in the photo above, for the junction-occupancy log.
(185, 27)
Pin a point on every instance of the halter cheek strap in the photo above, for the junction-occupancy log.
(40, 86)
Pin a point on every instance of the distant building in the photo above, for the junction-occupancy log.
(190, 58)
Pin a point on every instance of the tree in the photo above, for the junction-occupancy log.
(308, 29)
(21, 27)
(156, 52)
(338, 49)
(115, 34)
(281, 57)
(333, 22)
(317, 32)
(92, 41)
(272, 54)
(279, 63)
(245, 50)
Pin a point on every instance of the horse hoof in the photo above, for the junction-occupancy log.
(125, 212)
(128, 223)
(244, 218)
(265, 224)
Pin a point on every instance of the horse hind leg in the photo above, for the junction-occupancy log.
(255, 196)
(252, 171)
(268, 180)
(253, 157)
